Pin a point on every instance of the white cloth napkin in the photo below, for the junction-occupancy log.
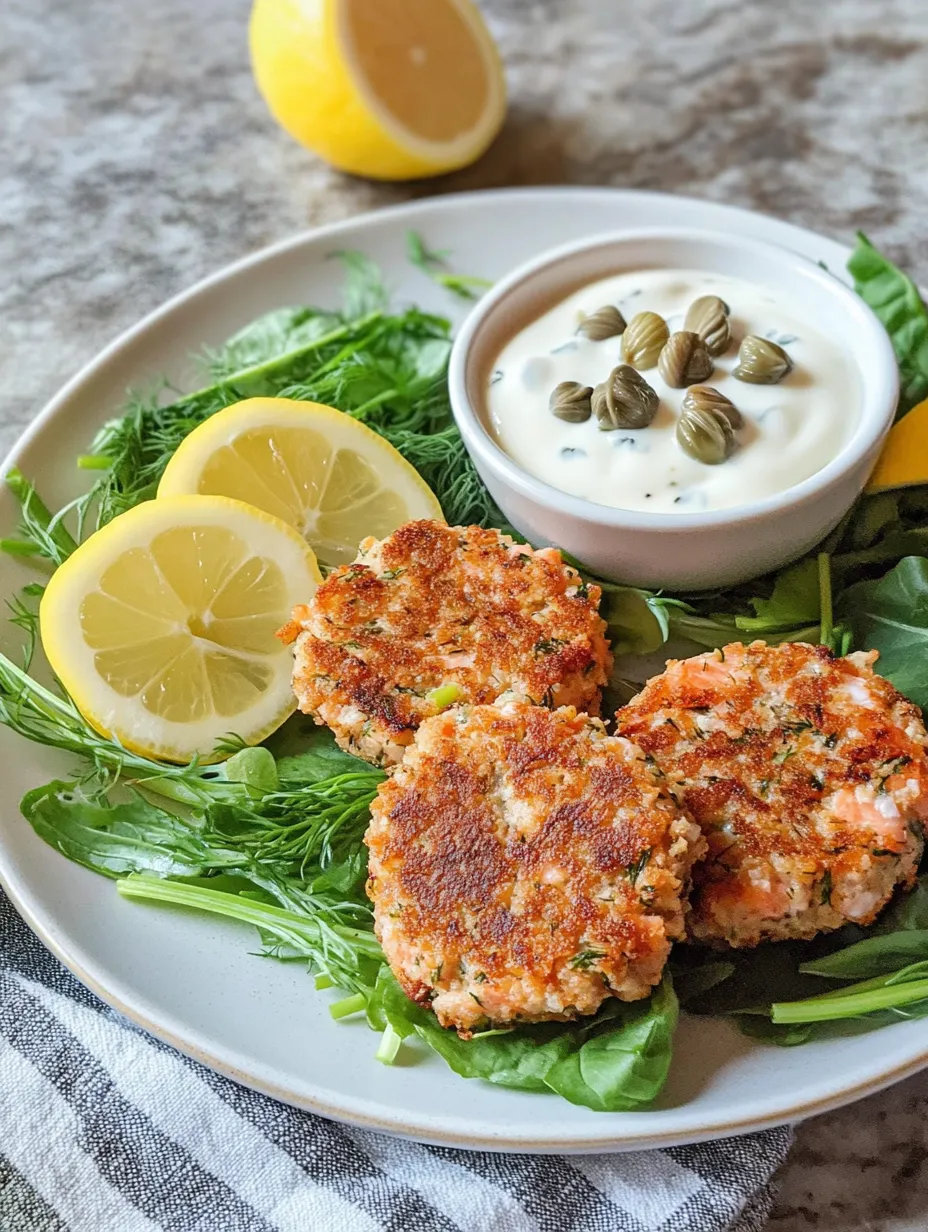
(103, 1129)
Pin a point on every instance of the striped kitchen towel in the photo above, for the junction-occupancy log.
(103, 1129)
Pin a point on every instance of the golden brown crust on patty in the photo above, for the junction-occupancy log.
(525, 866)
(808, 776)
(436, 605)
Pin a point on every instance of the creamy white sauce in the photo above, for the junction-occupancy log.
(791, 429)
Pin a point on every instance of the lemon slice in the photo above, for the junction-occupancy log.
(391, 89)
(316, 468)
(904, 460)
(162, 625)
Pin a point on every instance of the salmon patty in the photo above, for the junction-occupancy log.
(439, 614)
(807, 774)
(525, 866)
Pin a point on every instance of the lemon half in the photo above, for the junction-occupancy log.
(328, 476)
(162, 625)
(391, 89)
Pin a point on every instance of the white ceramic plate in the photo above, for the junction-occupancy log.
(192, 981)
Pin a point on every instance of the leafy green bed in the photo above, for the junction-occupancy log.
(273, 837)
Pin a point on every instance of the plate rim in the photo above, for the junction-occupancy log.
(579, 1144)
(190, 1041)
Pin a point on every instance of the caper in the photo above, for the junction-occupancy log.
(761, 362)
(624, 400)
(708, 317)
(571, 401)
(684, 359)
(605, 322)
(705, 434)
(705, 397)
(644, 339)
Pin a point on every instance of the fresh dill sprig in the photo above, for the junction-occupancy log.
(395, 379)
(141, 443)
(434, 264)
(363, 290)
(385, 370)
(24, 615)
(300, 825)
(441, 458)
(229, 744)
(44, 717)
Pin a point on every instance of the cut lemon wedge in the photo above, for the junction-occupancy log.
(328, 476)
(391, 89)
(904, 460)
(162, 625)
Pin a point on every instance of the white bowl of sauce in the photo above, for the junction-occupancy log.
(631, 503)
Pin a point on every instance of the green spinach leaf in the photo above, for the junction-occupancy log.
(623, 1062)
(891, 615)
(895, 299)
(616, 1060)
(745, 981)
(795, 600)
(318, 756)
(119, 839)
(880, 955)
(637, 621)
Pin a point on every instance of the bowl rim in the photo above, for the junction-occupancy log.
(876, 413)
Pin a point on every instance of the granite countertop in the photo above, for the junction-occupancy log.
(136, 157)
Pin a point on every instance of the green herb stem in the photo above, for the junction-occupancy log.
(46, 530)
(444, 696)
(434, 265)
(348, 1005)
(389, 1045)
(288, 923)
(853, 1002)
(464, 286)
(335, 949)
(20, 547)
(254, 380)
(826, 628)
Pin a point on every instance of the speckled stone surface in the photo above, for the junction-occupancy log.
(135, 157)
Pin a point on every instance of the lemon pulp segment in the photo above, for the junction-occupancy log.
(409, 73)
